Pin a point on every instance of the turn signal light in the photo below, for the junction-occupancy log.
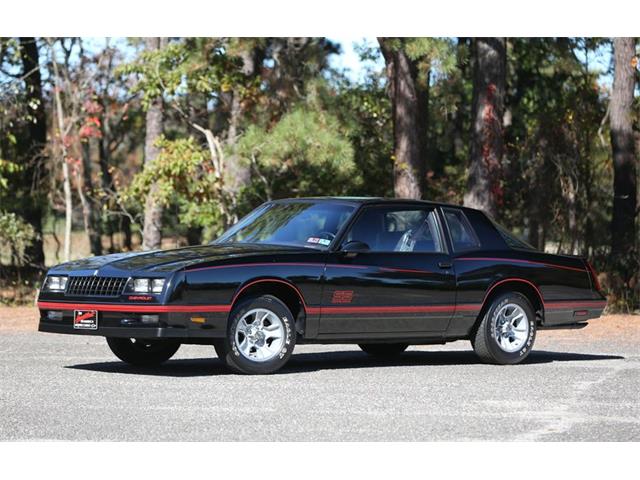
(150, 318)
(54, 315)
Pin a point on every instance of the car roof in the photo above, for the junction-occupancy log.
(372, 200)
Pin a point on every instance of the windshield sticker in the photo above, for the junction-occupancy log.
(321, 241)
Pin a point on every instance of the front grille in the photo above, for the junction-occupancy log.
(96, 286)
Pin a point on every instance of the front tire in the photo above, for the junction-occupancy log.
(383, 350)
(143, 353)
(507, 331)
(260, 336)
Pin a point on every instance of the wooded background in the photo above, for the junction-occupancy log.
(125, 144)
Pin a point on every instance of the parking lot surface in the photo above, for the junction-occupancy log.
(576, 385)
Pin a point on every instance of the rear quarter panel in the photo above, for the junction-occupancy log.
(562, 282)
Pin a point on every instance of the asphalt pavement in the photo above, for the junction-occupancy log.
(60, 387)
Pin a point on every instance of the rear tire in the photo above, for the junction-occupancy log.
(383, 350)
(507, 331)
(260, 336)
(142, 352)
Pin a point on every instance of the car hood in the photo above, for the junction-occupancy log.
(171, 260)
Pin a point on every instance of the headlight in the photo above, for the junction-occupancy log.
(148, 285)
(157, 284)
(55, 283)
(141, 285)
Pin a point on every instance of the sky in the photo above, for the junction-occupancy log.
(349, 60)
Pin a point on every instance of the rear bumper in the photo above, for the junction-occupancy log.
(569, 313)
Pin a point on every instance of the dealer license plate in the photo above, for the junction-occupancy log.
(85, 319)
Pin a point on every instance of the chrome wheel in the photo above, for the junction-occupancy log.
(511, 328)
(260, 335)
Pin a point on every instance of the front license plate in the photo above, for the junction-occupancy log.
(85, 319)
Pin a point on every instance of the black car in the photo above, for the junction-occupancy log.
(383, 274)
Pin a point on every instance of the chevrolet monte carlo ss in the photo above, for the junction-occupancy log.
(383, 274)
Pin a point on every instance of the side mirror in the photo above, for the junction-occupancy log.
(355, 246)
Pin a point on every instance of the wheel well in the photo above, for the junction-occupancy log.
(280, 289)
(523, 287)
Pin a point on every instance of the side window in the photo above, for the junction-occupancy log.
(397, 230)
(462, 235)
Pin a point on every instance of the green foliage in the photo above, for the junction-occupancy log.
(435, 54)
(181, 176)
(6, 168)
(185, 67)
(553, 144)
(9, 171)
(305, 153)
(432, 56)
(365, 112)
(303, 128)
(17, 234)
(449, 124)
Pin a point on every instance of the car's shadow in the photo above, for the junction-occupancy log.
(311, 362)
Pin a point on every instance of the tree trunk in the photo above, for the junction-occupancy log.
(106, 178)
(152, 230)
(409, 167)
(533, 205)
(489, 79)
(458, 138)
(422, 99)
(623, 226)
(32, 174)
(238, 173)
(63, 131)
(92, 224)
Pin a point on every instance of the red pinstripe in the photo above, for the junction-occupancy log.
(302, 264)
(390, 309)
(577, 304)
(408, 270)
(530, 262)
(312, 310)
(317, 310)
(262, 264)
(512, 279)
(133, 308)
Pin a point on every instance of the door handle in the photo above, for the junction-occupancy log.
(445, 265)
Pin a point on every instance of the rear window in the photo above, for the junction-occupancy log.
(511, 240)
(462, 235)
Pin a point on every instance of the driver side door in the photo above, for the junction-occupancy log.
(401, 285)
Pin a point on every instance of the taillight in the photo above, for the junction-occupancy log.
(594, 276)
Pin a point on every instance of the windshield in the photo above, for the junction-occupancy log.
(304, 224)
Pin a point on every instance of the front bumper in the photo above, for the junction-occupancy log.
(129, 324)
(123, 332)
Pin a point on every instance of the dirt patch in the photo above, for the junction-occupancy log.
(622, 328)
(18, 319)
